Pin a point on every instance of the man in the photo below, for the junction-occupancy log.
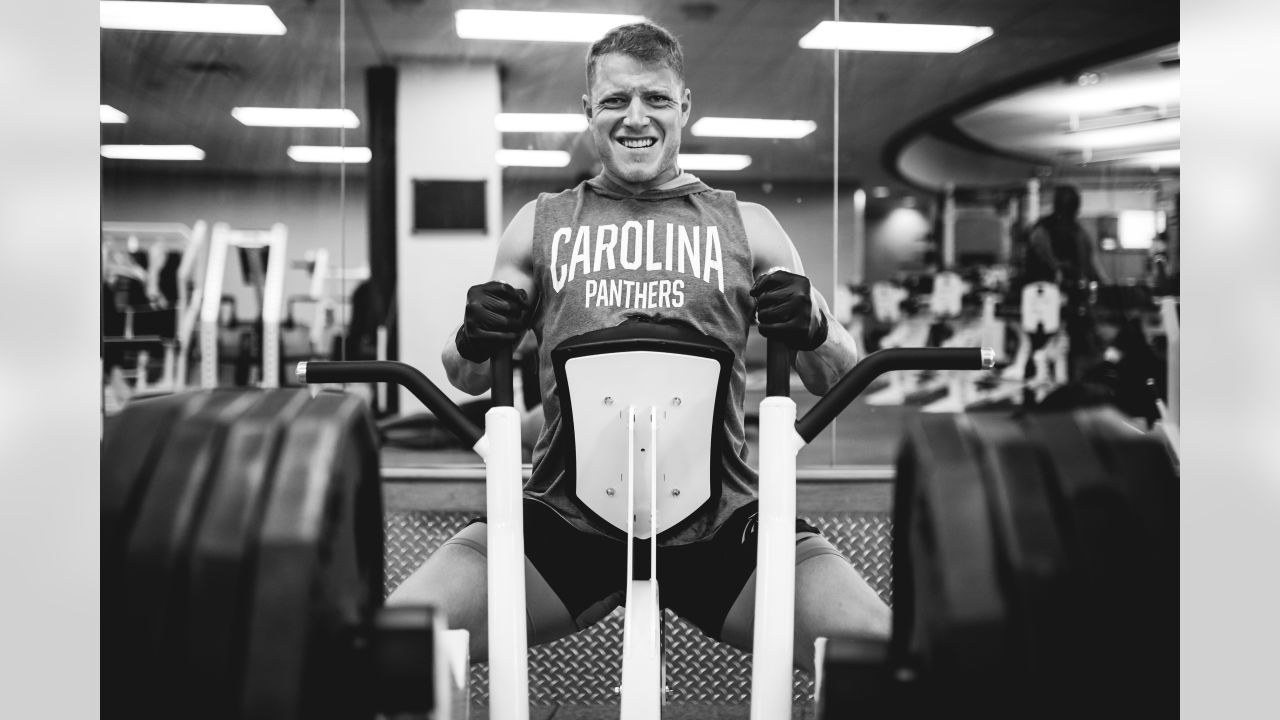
(644, 238)
(1061, 251)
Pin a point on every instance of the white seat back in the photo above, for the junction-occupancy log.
(1041, 307)
(680, 392)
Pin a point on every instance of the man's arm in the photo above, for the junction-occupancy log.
(771, 248)
(513, 266)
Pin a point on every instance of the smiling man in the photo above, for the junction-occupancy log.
(644, 239)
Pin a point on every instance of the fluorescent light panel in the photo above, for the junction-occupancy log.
(713, 162)
(532, 158)
(108, 114)
(1153, 158)
(190, 17)
(296, 117)
(537, 26)
(329, 154)
(152, 152)
(752, 128)
(893, 37)
(1137, 134)
(540, 122)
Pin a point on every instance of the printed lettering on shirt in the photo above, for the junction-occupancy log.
(638, 249)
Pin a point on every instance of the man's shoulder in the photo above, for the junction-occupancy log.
(756, 216)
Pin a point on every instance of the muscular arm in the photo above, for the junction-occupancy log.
(771, 248)
(513, 266)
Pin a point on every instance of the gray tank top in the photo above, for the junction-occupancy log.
(601, 254)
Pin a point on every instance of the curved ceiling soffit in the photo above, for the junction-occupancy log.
(933, 143)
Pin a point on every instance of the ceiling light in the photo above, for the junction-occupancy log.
(1156, 89)
(893, 37)
(190, 17)
(713, 162)
(296, 117)
(540, 122)
(537, 26)
(1136, 134)
(152, 152)
(108, 114)
(330, 154)
(752, 128)
(532, 158)
(1154, 158)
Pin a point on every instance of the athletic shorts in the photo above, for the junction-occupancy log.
(587, 573)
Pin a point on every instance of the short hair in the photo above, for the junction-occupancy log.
(644, 41)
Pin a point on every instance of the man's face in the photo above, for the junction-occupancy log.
(636, 111)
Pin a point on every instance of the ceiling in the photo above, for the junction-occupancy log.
(742, 59)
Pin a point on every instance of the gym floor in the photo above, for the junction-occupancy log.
(669, 712)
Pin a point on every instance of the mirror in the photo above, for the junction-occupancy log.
(894, 167)
(228, 228)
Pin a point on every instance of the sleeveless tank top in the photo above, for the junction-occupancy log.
(602, 254)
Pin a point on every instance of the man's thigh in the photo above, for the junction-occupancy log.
(831, 599)
(455, 580)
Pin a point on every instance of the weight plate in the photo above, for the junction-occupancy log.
(857, 681)
(156, 551)
(220, 561)
(1032, 563)
(318, 575)
(1138, 579)
(131, 444)
(945, 582)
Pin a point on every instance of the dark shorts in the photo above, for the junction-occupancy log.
(699, 581)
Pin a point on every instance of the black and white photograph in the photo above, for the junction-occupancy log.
(447, 349)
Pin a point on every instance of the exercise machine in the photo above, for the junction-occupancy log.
(224, 238)
(156, 301)
(243, 534)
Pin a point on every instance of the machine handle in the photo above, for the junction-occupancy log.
(502, 382)
(777, 369)
(883, 361)
(402, 374)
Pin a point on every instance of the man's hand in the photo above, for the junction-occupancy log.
(784, 309)
(496, 316)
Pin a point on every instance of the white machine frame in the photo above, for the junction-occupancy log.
(224, 237)
(190, 243)
(635, 410)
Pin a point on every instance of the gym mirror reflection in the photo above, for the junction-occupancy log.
(330, 239)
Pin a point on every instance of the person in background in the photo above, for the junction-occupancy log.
(1061, 251)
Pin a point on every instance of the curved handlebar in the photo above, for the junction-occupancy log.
(878, 363)
(412, 379)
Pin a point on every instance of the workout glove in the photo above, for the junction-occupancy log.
(496, 316)
(784, 309)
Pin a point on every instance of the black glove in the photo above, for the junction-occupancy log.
(784, 309)
(496, 316)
